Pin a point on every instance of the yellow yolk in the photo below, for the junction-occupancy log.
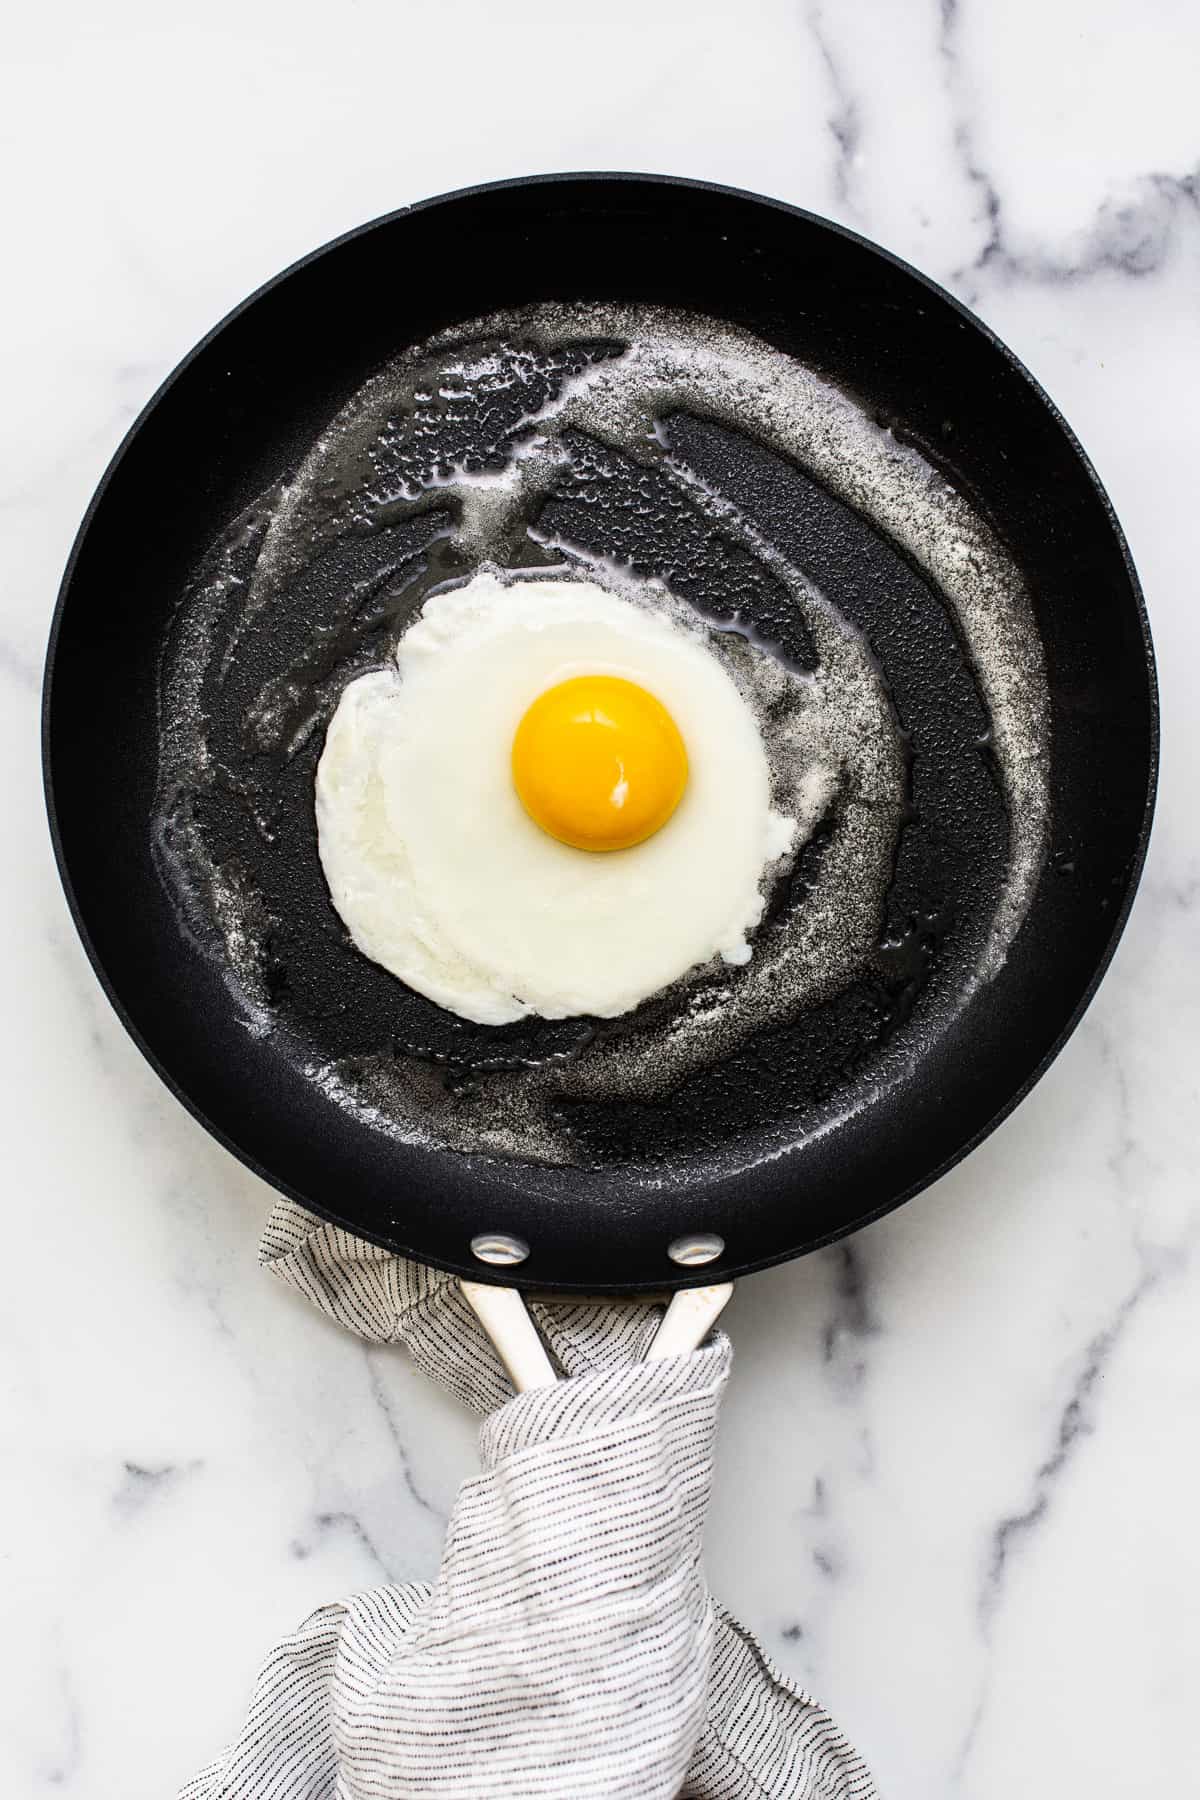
(599, 763)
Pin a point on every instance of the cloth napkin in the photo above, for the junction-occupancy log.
(569, 1646)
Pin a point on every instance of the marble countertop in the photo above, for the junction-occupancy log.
(957, 1492)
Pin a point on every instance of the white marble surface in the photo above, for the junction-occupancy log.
(958, 1491)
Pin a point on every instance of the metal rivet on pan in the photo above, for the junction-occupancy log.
(702, 1247)
(497, 1247)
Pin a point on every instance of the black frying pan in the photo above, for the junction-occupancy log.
(793, 1140)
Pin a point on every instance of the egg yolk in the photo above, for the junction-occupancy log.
(599, 763)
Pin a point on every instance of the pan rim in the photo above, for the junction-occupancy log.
(670, 1278)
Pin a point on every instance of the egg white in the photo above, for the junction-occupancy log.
(441, 876)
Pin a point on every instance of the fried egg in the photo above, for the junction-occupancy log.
(557, 800)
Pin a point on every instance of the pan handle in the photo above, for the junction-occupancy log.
(688, 1320)
(505, 1317)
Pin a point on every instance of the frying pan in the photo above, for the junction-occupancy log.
(794, 1139)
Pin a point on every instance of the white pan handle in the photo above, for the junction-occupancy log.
(688, 1320)
(504, 1316)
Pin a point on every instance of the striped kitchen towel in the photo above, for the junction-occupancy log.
(569, 1646)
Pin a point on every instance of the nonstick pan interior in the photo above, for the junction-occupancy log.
(803, 1131)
